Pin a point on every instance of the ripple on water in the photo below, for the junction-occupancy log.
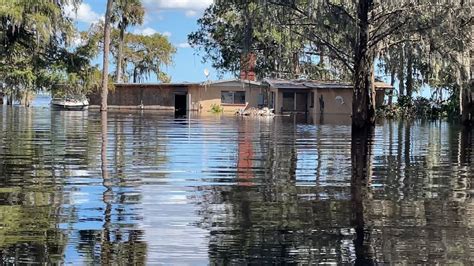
(221, 190)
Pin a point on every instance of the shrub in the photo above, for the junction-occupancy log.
(215, 108)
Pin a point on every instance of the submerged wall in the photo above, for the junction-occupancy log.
(147, 96)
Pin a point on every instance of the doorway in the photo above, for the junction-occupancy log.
(288, 102)
(180, 104)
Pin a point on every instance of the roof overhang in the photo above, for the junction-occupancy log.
(231, 82)
(142, 85)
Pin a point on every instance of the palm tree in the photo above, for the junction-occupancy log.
(128, 13)
(105, 69)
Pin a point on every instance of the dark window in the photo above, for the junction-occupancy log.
(227, 97)
(239, 97)
(261, 99)
(311, 105)
(233, 97)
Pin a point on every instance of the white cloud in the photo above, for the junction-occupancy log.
(184, 45)
(150, 31)
(145, 31)
(191, 8)
(83, 13)
(179, 4)
(190, 13)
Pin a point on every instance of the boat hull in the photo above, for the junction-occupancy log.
(69, 105)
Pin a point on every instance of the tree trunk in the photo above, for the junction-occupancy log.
(118, 74)
(296, 65)
(392, 82)
(105, 66)
(135, 75)
(409, 80)
(466, 101)
(321, 63)
(363, 108)
(401, 74)
(10, 98)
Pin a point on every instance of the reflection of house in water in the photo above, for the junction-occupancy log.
(245, 156)
(302, 213)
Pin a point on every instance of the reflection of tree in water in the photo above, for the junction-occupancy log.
(117, 242)
(397, 209)
(33, 159)
(39, 160)
(421, 206)
(274, 220)
(361, 195)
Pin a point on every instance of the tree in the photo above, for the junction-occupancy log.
(31, 33)
(143, 55)
(105, 63)
(229, 30)
(147, 55)
(352, 32)
(128, 13)
(374, 23)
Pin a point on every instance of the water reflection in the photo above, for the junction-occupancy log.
(143, 187)
(361, 195)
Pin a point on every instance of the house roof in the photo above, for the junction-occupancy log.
(222, 82)
(316, 84)
(231, 82)
(285, 84)
(182, 84)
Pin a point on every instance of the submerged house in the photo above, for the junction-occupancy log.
(316, 97)
(231, 95)
(284, 96)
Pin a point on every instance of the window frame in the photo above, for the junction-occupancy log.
(234, 94)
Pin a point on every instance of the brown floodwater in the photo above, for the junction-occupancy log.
(229, 190)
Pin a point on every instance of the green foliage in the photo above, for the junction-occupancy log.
(229, 29)
(216, 109)
(36, 52)
(32, 33)
(404, 101)
(127, 12)
(419, 107)
(145, 55)
(417, 43)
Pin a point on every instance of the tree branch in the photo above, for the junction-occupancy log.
(343, 57)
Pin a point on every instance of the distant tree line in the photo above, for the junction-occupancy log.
(41, 49)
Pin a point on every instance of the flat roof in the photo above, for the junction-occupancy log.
(275, 83)
(317, 84)
(235, 80)
(182, 84)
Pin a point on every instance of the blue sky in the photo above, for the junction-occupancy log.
(173, 18)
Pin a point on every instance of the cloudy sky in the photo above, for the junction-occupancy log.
(173, 18)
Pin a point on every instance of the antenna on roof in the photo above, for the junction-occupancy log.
(206, 73)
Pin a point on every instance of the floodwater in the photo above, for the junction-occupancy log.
(226, 190)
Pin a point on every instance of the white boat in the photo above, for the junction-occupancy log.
(70, 103)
